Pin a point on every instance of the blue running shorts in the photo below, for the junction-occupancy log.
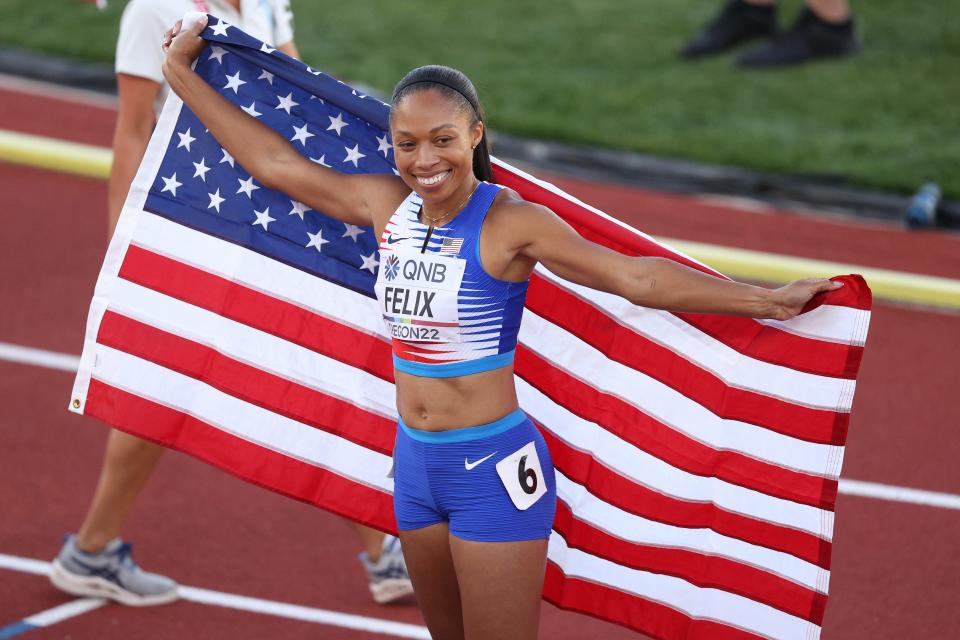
(491, 483)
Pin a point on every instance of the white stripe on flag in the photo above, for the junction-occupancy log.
(297, 363)
(566, 351)
(830, 323)
(299, 288)
(627, 229)
(643, 469)
(696, 602)
(243, 420)
(628, 526)
(253, 270)
(698, 348)
(257, 348)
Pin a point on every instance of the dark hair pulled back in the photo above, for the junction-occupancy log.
(455, 85)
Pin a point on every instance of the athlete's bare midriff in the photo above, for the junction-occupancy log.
(440, 404)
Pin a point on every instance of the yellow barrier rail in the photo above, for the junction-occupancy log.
(758, 266)
(56, 155)
(93, 161)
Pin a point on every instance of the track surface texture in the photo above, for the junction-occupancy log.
(896, 566)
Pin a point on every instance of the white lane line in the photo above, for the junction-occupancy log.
(52, 616)
(899, 494)
(252, 605)
(24, 565)
(64, 611)
(892, 493)
(39, 357)
(306, 614)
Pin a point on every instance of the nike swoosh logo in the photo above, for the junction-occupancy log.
(394, 240)
(470, 465)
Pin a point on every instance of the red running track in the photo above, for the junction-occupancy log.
(895, 569)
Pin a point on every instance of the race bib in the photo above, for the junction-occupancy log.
(417, 293)
(521, 475)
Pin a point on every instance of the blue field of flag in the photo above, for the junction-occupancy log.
(200, 185)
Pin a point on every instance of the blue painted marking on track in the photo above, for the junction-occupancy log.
(16, 629)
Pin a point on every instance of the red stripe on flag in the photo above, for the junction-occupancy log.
(765, 343)
(328, 413)
(233, 300)
(701, 569)
(608, 233)
(182, 280)
(632, 497)
(275, 471)
(611, 234)
(623, 345)
(854, 294)
(245, 305)
(646, 616)
(258, 310)
(839, 360)
(671, 446)
(248, 383)
(776, 346)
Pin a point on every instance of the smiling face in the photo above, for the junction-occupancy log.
(433, 139)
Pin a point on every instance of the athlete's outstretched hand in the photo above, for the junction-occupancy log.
(183, 42)
(790, 299)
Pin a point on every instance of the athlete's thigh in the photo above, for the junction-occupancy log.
(500, 587)
(430, 564)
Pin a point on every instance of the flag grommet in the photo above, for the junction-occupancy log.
(76, 403)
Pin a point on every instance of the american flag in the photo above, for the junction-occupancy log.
(697, 456)
(451, 245)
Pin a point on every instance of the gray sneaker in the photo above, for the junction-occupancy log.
(388, 576)
(111, 573)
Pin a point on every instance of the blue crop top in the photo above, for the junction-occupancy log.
(446, 316)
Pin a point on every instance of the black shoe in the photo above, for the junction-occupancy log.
(808, 39)
(737, 23)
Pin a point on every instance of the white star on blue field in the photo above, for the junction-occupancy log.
(200, 184)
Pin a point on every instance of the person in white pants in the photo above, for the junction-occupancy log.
(95, 561)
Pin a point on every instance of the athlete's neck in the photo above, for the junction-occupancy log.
(451, 206)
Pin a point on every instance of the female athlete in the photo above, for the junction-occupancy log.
(474, 488)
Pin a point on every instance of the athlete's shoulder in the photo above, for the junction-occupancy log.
(387, 195)
(515, 223)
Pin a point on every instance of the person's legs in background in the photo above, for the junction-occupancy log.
(382, 558)
(823, 29)
(127, 465)
(95, 562)
(739, 21)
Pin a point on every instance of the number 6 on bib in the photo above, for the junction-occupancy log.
(521, 475)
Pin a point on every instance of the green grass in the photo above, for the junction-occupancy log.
(604, 72)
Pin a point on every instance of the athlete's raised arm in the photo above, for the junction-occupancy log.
(269, 158)
(659, 283)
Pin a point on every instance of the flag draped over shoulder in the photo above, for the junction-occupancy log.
(697, 456)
